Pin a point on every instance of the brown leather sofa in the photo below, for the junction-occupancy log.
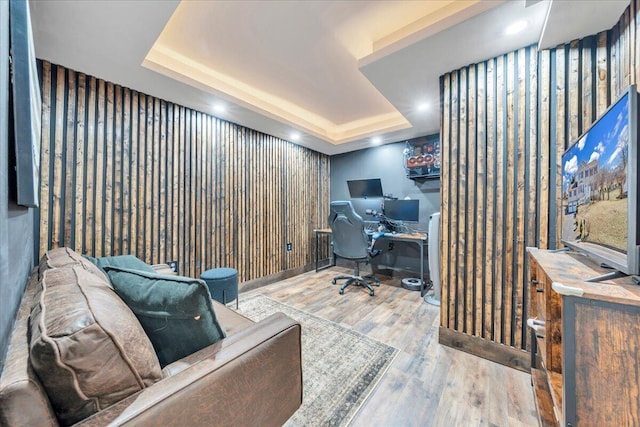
(253, 377)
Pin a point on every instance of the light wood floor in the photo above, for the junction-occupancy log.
(428, 384)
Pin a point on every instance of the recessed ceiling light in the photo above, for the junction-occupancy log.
(295, 136)
(423, 106)
(376, 140)
(515, 28)
(219, 108)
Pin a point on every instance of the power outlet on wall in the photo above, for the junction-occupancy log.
(289, 247)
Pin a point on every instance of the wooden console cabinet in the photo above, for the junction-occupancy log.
(587, 368)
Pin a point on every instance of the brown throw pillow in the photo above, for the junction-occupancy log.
(86, 346)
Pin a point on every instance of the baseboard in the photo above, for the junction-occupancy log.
(273, 278)
(499, 353)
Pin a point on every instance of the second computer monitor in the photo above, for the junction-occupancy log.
(402, 210)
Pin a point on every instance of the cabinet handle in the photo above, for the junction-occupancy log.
(540, 290)
(534, 282)
(537, 326)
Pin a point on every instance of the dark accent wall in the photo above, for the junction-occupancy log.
(387, 163)
(505, 124)
(16, 222)
(124, 172)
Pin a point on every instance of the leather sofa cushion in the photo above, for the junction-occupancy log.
(86, 346)
(176, 312)
(62, 257)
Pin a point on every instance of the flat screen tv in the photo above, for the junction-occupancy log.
(365, 188)
(600, 188)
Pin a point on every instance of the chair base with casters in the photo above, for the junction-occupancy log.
(355, 279)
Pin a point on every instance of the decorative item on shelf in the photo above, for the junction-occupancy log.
(422, 157)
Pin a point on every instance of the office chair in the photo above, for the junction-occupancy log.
(351, 242)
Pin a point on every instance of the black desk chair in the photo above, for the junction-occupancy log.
(351, 242)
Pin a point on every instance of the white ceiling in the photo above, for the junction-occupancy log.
(336, 72)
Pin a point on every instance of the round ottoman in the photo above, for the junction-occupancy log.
(222, 284)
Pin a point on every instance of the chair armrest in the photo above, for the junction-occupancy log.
(251, 378)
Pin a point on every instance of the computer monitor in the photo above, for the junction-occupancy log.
(402, 210)
(365, 188)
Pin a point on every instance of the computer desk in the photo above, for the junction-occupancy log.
(418, 238)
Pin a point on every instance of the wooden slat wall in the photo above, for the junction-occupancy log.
(505, 124)
(124, 172)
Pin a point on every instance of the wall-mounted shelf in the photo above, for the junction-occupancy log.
(422, 157)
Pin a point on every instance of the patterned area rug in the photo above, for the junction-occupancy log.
(340, 367)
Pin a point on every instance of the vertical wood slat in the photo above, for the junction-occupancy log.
(79, 171)
(153, 177)
(161, 206)
(133, 170)
(45, 159)
(453, 296)
(57, 213)
(461, 190)
(499, 197)
(532, 223)
(123, 172)
(68, 197)
(545, 138)
(490, 222)
(445, 262)
(90, 147)
(603, 77)
(480, 224)
(560, 136)
(587, 84)
(518, 304)
(99, 170)
(141, 188)
(117, 170)
(573, 92)
(126, 171)
(510, 199)
(474, 294)
(108, 189)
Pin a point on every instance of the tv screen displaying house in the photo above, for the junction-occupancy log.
(594, 182)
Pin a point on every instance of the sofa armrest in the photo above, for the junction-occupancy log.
(251, 378)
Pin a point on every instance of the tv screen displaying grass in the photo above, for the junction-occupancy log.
(599, 188)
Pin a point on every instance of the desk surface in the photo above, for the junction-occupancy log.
(407, 236)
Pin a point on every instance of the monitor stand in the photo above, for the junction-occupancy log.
(607, 276)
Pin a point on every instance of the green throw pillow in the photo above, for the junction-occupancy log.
(121, 261)
(176, 312)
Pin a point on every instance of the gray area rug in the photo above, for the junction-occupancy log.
(340, 367)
